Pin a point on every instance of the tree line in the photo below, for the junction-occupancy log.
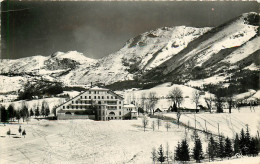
(23, 112)
(220, 148)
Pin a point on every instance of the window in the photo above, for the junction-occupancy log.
(89, 92)
(72, 107)
(98, 97)
(94, 97)
(80, 107)
(119, 107)
(102, 97)
(67, 107)
(107, 97)
(119, 102)
(81, 97)
(81, 102)
(85, 97)
(111, 97)
(63, 107)
(72, 102)
(119, 113)
(89, 97)
(76, 102)
(76, 107)
(95, 92)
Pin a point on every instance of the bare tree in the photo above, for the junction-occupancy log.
(145, 122)
(159, 122)
(168, 153)
(167, 125)
(230, 102)
(154, 155)
(24, 113)
(153, 125)
(143, 98)
(151, 101)
(176, 96)
(208, 101)
(178, 114)
(195, 98)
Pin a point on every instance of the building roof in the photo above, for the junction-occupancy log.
(90, 89)
(98, 88)
(129, 105)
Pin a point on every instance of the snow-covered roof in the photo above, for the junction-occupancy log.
(133, 111)
(129, 105)
(98, 88)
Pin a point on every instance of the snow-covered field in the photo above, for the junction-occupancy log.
(117, 141)
(229, 124)
(162, 91)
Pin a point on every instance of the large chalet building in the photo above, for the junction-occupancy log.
(98, 104)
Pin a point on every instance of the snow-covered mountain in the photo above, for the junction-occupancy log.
(162, 55)
(231, 46)
(139, 54)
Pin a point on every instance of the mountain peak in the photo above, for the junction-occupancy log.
(73, 55)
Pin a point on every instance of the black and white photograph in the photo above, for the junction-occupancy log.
(129, 82)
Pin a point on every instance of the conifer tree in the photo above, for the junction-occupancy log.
(42, 110)
(20, 129)
(228, 148)
(177, 156)
(3, 114)
(242, 142)
(37, 112)
(24, 133)
(185, 152)
(197, 150)
(31, 113)
(161, 156)
(18, 115)
(212, 151)
(236, 144)
(221, 148)
(253, 147)
(10, 111)
(247, 140)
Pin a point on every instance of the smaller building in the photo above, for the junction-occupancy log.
(130, 111)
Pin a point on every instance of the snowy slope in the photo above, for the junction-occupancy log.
(162, 92)
(165, 54)
(109, 142)
(140, 54)
(215, 51)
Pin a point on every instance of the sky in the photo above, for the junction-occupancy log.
(98, 29)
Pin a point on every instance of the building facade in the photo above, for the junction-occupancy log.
(95, 103)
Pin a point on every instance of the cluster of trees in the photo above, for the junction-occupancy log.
(155, 124)
(10, 113)
(148, 102)
(39, 88)
(217, 148)
(161, 155)
(221, 96)
(23, 112)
